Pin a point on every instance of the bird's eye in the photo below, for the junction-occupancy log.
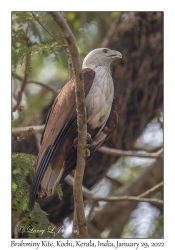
(105, 50)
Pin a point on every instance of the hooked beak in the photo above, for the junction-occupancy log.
(116, 54)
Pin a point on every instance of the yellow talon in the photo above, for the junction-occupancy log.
(87, 153)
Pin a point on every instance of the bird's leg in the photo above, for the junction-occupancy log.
(88, 139)
(87, 153)
(88, 143)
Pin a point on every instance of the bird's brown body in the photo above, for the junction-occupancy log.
(56, 156)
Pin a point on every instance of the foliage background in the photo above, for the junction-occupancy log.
(138, 81)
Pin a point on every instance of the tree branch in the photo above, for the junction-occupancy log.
(139, 145)
(81, 121)
(24, 83)
(129, 198)
(112, 151)
(75, 231)
(86, 192)
(37, 129)
(114, 181)
(91, 212)
(20, 78)
(111, 30)
(16, 225)
(106, 150)
(70, 68)
(140, 198)
(34, 16)
(151, 190)
(24, 80)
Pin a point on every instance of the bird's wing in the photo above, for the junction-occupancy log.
(109, 128)
(59, 121)
(101, 138)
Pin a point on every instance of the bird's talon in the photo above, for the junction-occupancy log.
(88, 139)
(87, 153)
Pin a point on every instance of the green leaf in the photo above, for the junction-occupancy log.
(14, 186)
(19, 55)
(60, 192)
(23, 168)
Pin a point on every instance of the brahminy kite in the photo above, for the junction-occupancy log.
(57, 157)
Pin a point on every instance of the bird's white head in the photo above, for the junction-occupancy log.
(100, 57)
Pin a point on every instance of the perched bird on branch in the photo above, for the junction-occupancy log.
(57, 155)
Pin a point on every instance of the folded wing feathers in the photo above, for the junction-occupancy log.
(48, 155)
(108, 129)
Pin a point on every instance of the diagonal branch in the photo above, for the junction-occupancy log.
(24, 80)
(86, 192)
(139, 145)
(34, 16)
(129, 198)
(140, 198)
(70, 68)
(112, 151)
(114, 181)
(111, 30)
(20, 78)
(151, 190)
(23, 85)
(81, 122)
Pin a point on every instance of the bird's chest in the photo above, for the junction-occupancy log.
(99, 99)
